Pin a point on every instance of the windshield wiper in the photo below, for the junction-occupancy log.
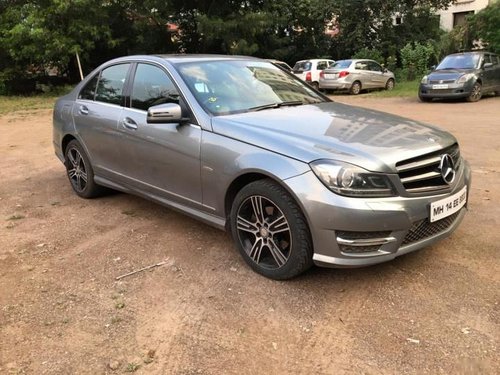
(275, 105)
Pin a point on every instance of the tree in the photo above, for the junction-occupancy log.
(485, 26)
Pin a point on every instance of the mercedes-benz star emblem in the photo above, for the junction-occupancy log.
(447, 168)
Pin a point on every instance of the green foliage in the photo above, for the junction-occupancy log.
(366, 53)
(485, 25)
(391, 63)
(415, 59)
(39, 34)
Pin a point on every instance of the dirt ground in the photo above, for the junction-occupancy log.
(435, 311)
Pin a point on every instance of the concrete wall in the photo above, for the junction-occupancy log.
(446, 15)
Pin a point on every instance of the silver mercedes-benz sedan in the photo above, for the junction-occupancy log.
(245, 146)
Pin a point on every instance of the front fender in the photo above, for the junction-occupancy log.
(223, 160)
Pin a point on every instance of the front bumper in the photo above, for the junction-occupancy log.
(390, 226)
(453, 91)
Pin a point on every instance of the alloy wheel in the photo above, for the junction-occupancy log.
(475, 94)
(264, 232)
(355, 88)
(77, 171)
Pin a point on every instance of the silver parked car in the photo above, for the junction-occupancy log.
(244, 146)
(356, 75)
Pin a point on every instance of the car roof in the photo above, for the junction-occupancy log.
(312, 60)
(470, 53)
(357, 60)
(180, 58)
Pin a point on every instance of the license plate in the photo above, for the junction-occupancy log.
(330, 76)
(439, 87)
(448, 206)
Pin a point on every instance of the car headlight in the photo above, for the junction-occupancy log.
(465, 78)
(352, 181)
(424, 80)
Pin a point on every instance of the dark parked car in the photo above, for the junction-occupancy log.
(244, 146)
(466, 75)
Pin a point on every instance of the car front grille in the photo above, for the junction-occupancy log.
(435, 82)
(423, 229)
(422, 174)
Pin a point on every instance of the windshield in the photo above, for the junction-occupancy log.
(302, 66)
(226, 87)
(459, 62)
(342, 64)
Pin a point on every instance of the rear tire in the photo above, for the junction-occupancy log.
(355, 88)
(80, 172)
(270, 231)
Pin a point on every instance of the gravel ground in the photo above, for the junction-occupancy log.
(435, 311)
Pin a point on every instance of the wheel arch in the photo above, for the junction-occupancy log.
(241, 181)
(65, 141)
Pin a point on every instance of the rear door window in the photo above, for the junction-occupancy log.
(88, 91)
(361, 65)
(111, 83)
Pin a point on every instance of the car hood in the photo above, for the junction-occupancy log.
(370, 139)
(451, 74)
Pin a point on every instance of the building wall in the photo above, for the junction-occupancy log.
(446, 16)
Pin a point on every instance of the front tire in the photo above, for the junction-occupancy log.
(80, 172)
(389, 86)
(424, 99)
(476, 93)
(270, 231)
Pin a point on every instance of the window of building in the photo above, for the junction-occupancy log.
(459, 17)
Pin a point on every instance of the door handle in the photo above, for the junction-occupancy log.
(129, 123)
(83, 110)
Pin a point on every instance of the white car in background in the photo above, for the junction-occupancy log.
(309, 70)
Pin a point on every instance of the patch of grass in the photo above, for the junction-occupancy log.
(10, 104)
(405, 89)
(119, 305)
(131, 213)
(116, 320)
(16, 217)
(132, 367)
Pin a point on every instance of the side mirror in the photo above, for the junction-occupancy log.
(168, 113)
(487, 65)
(433, 67)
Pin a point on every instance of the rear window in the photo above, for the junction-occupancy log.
(302, 66)
(342, 64)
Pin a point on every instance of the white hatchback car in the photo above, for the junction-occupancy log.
(309, 70)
